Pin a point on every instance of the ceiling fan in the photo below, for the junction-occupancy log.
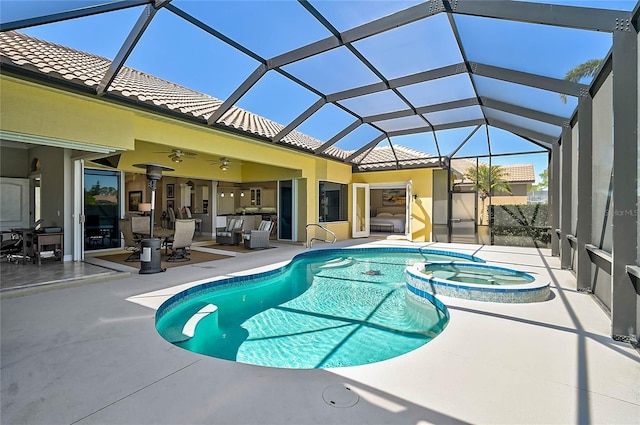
(224, 163)
(178, 155)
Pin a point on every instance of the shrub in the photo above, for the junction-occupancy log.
(520, 225)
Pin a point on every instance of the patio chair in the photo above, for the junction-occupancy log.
(140, 225)
(172, 218)
(258, 238)
(131, 243)
(231, 234)
(182, 240)
(187, 210)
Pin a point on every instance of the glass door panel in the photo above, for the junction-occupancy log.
(101, 209)
(361, 208)
(285, 210)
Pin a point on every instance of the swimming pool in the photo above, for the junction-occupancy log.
(326, 308)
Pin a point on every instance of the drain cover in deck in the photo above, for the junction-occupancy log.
(340, 396)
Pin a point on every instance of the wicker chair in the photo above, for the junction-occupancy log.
(258, 238)
(182, 239)
(230, 234)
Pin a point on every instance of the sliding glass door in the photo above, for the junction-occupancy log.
(285, 210)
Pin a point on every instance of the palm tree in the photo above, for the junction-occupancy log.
(487, 180)
(586, 69)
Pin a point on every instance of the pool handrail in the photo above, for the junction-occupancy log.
(310, 241)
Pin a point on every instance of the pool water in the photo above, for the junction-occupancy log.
(330, 309)
(477, 274)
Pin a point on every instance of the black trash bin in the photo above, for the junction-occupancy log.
(150, 255)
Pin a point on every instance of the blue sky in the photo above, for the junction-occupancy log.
(179, 52)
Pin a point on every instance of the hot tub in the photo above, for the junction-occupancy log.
(473, 281)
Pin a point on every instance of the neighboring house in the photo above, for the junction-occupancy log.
(519, 176)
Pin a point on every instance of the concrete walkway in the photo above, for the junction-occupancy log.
(90, 354)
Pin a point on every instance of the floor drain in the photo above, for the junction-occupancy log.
(340, 396)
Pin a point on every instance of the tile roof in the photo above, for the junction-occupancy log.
(384, 157)
(514, 173)
(519, 173)
(87, 69)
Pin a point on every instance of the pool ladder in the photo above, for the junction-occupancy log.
(310, 241)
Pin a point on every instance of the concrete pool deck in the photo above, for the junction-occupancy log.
(90, 354)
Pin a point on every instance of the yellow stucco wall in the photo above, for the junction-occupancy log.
(37, 110)
(142, 136)
(421, 185)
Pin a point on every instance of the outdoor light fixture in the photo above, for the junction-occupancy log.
(231, 194)
(222, 194)
(242, 194)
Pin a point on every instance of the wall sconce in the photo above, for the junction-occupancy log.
(231, 194)
(242, 194)
(415, 196)
(222, 194)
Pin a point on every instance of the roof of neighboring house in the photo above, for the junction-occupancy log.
(515, 173)
(519, 173)
(111, 199)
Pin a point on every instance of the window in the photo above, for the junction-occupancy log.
(333, 202)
